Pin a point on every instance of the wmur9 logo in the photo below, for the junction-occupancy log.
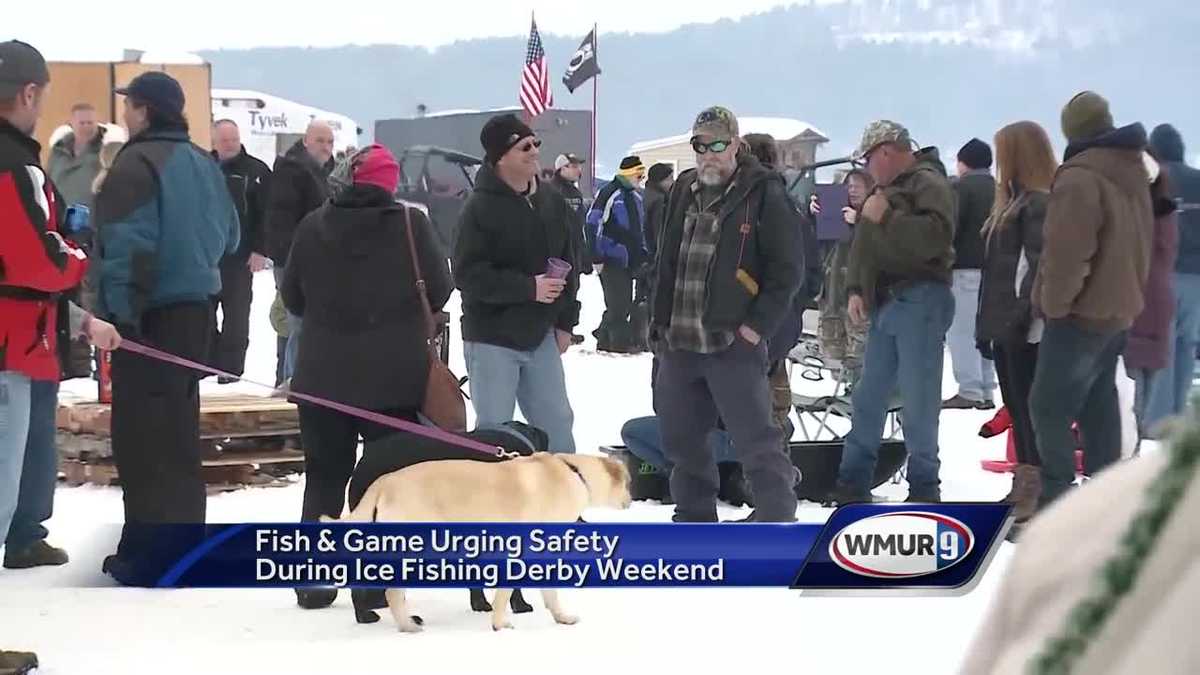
(901, 545)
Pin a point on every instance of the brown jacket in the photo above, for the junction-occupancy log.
(914, 240)
(1098, 235)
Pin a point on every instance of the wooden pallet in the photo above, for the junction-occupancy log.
(232, 471)
(221, 416)
(245, 440)
(89, 447)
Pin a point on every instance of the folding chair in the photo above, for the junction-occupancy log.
(817, 409)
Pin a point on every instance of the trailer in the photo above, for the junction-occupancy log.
(270, 125)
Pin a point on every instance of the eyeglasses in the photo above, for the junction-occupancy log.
(715, 146)
(528, 147)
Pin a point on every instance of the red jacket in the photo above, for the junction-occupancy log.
(36, 264)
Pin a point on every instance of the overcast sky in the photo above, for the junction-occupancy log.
(77, 29)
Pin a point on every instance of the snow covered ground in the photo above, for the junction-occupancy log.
(79, 623)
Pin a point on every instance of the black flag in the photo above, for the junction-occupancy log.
(583, 65)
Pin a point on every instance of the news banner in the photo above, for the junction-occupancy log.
(926, 548)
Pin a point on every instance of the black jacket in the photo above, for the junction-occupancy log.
(504, 241)
(298, 186)
(248, 179)
(578, 208)
(350, 276)
(771, 254)
(975, 193)
(656, 206)
(1003, 315)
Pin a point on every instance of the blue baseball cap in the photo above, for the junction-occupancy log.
(157, 89)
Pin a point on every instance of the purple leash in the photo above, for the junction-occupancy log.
(368, 415)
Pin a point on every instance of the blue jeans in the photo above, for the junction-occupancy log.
(501, 377)
(976, 376)
(1075, 381)
(39, 475)
(15, 402)
(643, 437)
(1171, 390)
(293, 339)
(905, 346)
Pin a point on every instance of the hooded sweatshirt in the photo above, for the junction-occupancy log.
(505, 240)
(1185, 181)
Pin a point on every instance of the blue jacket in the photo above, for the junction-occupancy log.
(164, 220)
(615, 226)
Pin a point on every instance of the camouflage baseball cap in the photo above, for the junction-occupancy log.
(715, 121)
(879, 132)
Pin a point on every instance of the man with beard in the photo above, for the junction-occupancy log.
(726, 276)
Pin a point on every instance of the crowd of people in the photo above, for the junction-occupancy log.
(1038, 278)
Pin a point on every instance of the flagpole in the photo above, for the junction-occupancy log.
(595, 87)
(525, 115)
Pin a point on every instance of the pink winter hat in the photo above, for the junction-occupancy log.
(378, 167)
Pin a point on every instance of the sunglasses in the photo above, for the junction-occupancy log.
(528, 147)
(715, 146)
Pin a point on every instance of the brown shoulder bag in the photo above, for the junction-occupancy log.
(444, 403)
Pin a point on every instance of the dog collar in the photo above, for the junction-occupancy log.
(579, 473)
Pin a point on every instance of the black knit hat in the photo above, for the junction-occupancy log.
(976, 154)
(659, 172)
(500, 134)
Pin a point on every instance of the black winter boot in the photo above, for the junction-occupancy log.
(37, 554)
(734, 490)
(517, 603)
(315, 598)
(844, 494)
(17, 663)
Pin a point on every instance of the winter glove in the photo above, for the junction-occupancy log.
(128, 331)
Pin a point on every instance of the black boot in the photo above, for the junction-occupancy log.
(734, 490)
(365, 600)
(479, 601)
(315, 598)
(844, 494)
(37, 554)
(517, 603)
(683, 517)
(17, 663)
(924, 497)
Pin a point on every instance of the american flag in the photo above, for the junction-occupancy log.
(535, 95)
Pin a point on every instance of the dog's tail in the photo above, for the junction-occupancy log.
(365, 511)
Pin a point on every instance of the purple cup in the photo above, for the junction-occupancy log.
(556, 268)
